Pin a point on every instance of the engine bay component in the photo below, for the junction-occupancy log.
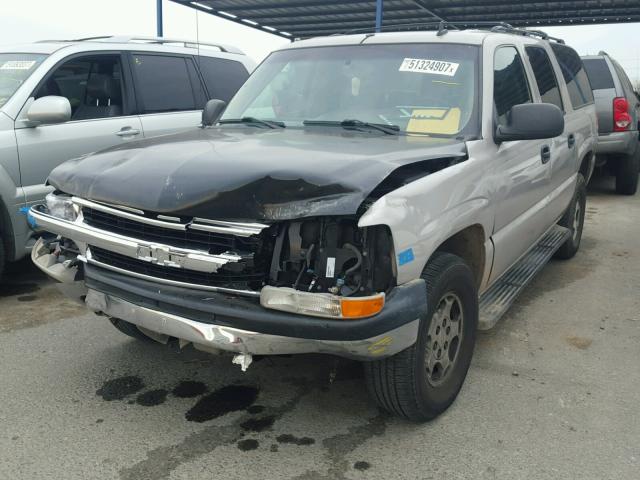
(332, 255)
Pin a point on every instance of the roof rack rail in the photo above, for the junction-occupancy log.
(525, 33)
(440, 24)
(498, 27)
(152, 40)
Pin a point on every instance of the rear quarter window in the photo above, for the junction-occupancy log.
(222, 77)
(598, 72)
(164, 83)
(574, 75)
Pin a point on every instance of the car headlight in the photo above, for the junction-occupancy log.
(321, 304)
(61, 206)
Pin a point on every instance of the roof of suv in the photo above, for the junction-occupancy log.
(141, 43)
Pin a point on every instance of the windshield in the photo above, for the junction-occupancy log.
(15, 68)
(416, 88)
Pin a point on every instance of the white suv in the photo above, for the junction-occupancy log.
(64, 99)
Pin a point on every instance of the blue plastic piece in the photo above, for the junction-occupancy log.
(406, 256)
(32, 221)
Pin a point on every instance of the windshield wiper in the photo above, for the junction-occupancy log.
(353, 123)
(255, 121)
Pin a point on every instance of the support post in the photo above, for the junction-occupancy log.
(159, 18)
(379, 12)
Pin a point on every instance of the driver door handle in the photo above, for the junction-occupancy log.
(571, 140)
(128, 132)
(545, 154)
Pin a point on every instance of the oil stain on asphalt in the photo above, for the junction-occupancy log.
(291, 439)
(189, 389)
(152, 398)
(362, 466)
(248, 444)
(119, 388)
(258, 424)
(27, 298)
(224, 400)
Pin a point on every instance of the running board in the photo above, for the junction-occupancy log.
(495, 302)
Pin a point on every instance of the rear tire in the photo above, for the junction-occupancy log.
(129, 329)
(627, 171)
(573, 219)
(410, 384)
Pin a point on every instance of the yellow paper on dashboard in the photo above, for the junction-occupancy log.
(435, 120)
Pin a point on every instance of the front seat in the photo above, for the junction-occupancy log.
(102, 99)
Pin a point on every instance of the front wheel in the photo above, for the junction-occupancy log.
(422, 381)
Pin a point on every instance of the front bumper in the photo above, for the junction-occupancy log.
(230, 339)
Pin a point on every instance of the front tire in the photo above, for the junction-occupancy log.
(422, 381)
(573, 219)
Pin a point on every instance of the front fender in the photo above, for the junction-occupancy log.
(428, 211)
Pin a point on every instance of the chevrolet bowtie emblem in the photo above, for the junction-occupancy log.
(161, 255)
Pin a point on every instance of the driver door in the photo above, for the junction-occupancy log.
(522, 168)
(94, 85)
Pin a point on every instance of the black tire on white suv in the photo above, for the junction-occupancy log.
(410, 384)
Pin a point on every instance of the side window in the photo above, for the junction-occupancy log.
(545, 76)
(510, 86)
(223, 77)
(574, 75)
(163, 83)
(93, 86)
(599, 74)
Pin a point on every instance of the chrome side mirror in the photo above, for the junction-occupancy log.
(49, 109)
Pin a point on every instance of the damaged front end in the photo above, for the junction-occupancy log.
(317, 284)
(321, 266)
(58, 258)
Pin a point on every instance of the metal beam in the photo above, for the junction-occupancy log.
(379, 13)
(159, 31)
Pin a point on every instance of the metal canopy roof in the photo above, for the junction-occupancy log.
(307, 18)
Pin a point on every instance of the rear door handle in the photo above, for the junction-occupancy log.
(571, 140)
(545, 154)
(128, 132)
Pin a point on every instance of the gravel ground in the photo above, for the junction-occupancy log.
(552, 392)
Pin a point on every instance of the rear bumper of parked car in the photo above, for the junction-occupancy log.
(617, 143)
(233, 323)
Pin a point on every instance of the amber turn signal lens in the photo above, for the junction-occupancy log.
(359, 308)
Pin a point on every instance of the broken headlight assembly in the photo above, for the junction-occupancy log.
(328, 267)
(61, 206)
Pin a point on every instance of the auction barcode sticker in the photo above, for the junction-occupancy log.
(423, 65)
(17, 65)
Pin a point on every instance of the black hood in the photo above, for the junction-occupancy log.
(248, 173)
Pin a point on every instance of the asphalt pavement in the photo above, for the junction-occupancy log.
(553, 391)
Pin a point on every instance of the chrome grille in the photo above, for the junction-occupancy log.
(210, 242)
(209, 254)
(250, 279)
